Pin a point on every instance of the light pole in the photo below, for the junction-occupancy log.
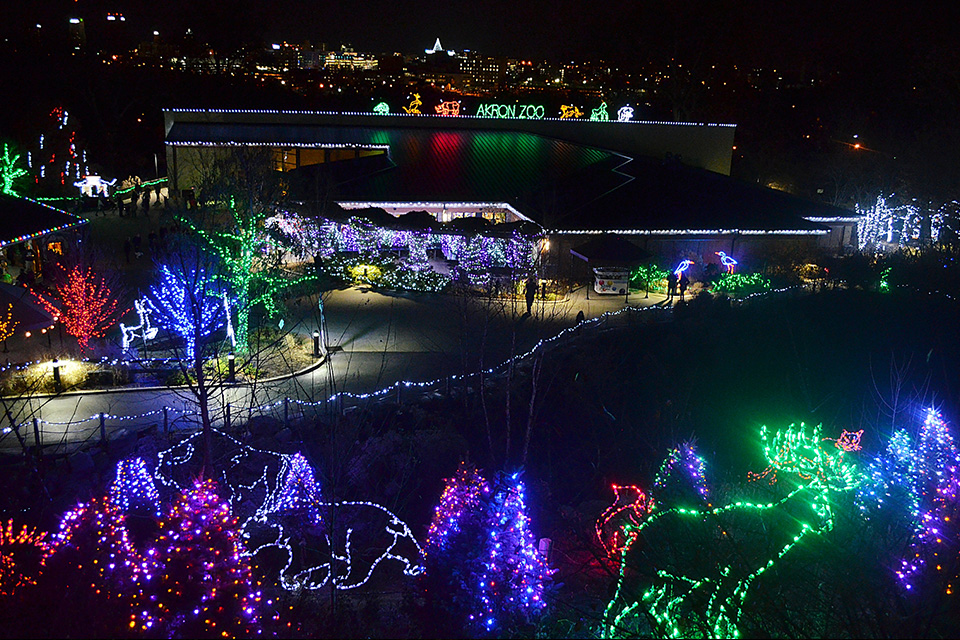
(56, 375)
(231, 367)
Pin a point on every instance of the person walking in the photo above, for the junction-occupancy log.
(671, 285)
(127, 248)
(684, 282)
(531, 293)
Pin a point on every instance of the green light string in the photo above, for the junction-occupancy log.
(671, 604)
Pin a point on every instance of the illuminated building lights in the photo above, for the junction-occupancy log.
(401, 115)
(78, 221)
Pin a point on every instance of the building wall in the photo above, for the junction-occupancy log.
(707, 146)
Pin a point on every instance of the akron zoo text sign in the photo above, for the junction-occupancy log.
(528, 111)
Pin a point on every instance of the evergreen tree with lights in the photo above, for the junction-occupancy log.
(206, 588)
(482, 560)
(90, 570)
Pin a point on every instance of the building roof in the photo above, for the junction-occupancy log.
(564, 185)
(23, 218)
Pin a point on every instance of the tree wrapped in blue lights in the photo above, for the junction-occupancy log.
(186, 303)
(915, 486)
(133, 489)
(482, 559)
(514, 574)
(298, 492)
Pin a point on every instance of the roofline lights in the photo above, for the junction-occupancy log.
(312, 145)
(24, 238)
(434, 205)
(438, 117)
(692, 232)
(832, 218)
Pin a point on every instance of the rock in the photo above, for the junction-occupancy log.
(81, 462)
(259, 426)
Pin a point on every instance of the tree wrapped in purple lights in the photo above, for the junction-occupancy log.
(298, 492)
(482, 559)
(459, 504)
(206, 588)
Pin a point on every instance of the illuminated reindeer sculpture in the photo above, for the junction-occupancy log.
(142, 330)
(709, 604)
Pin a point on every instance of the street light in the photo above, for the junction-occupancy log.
(56, 374)
(231, 367)
(316, 344)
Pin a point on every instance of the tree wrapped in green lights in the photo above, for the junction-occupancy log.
(649, 277)
(9, 171)
(241, 189)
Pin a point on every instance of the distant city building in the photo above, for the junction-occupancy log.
(347, 58)
(481, 73)
(78, 35)
(438, 48)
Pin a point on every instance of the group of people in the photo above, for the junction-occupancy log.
(674, 283)
(155, 241)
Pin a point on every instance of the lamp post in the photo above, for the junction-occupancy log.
(316, 344)
(56, 374)
(231, 367)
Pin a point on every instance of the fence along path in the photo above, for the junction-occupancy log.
(46, 437)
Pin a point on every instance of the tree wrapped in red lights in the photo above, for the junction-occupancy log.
(206, 588)
(88, 307)
(20, 555)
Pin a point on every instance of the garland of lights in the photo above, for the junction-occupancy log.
(685, 606)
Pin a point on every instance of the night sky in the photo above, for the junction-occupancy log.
(746, 32)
